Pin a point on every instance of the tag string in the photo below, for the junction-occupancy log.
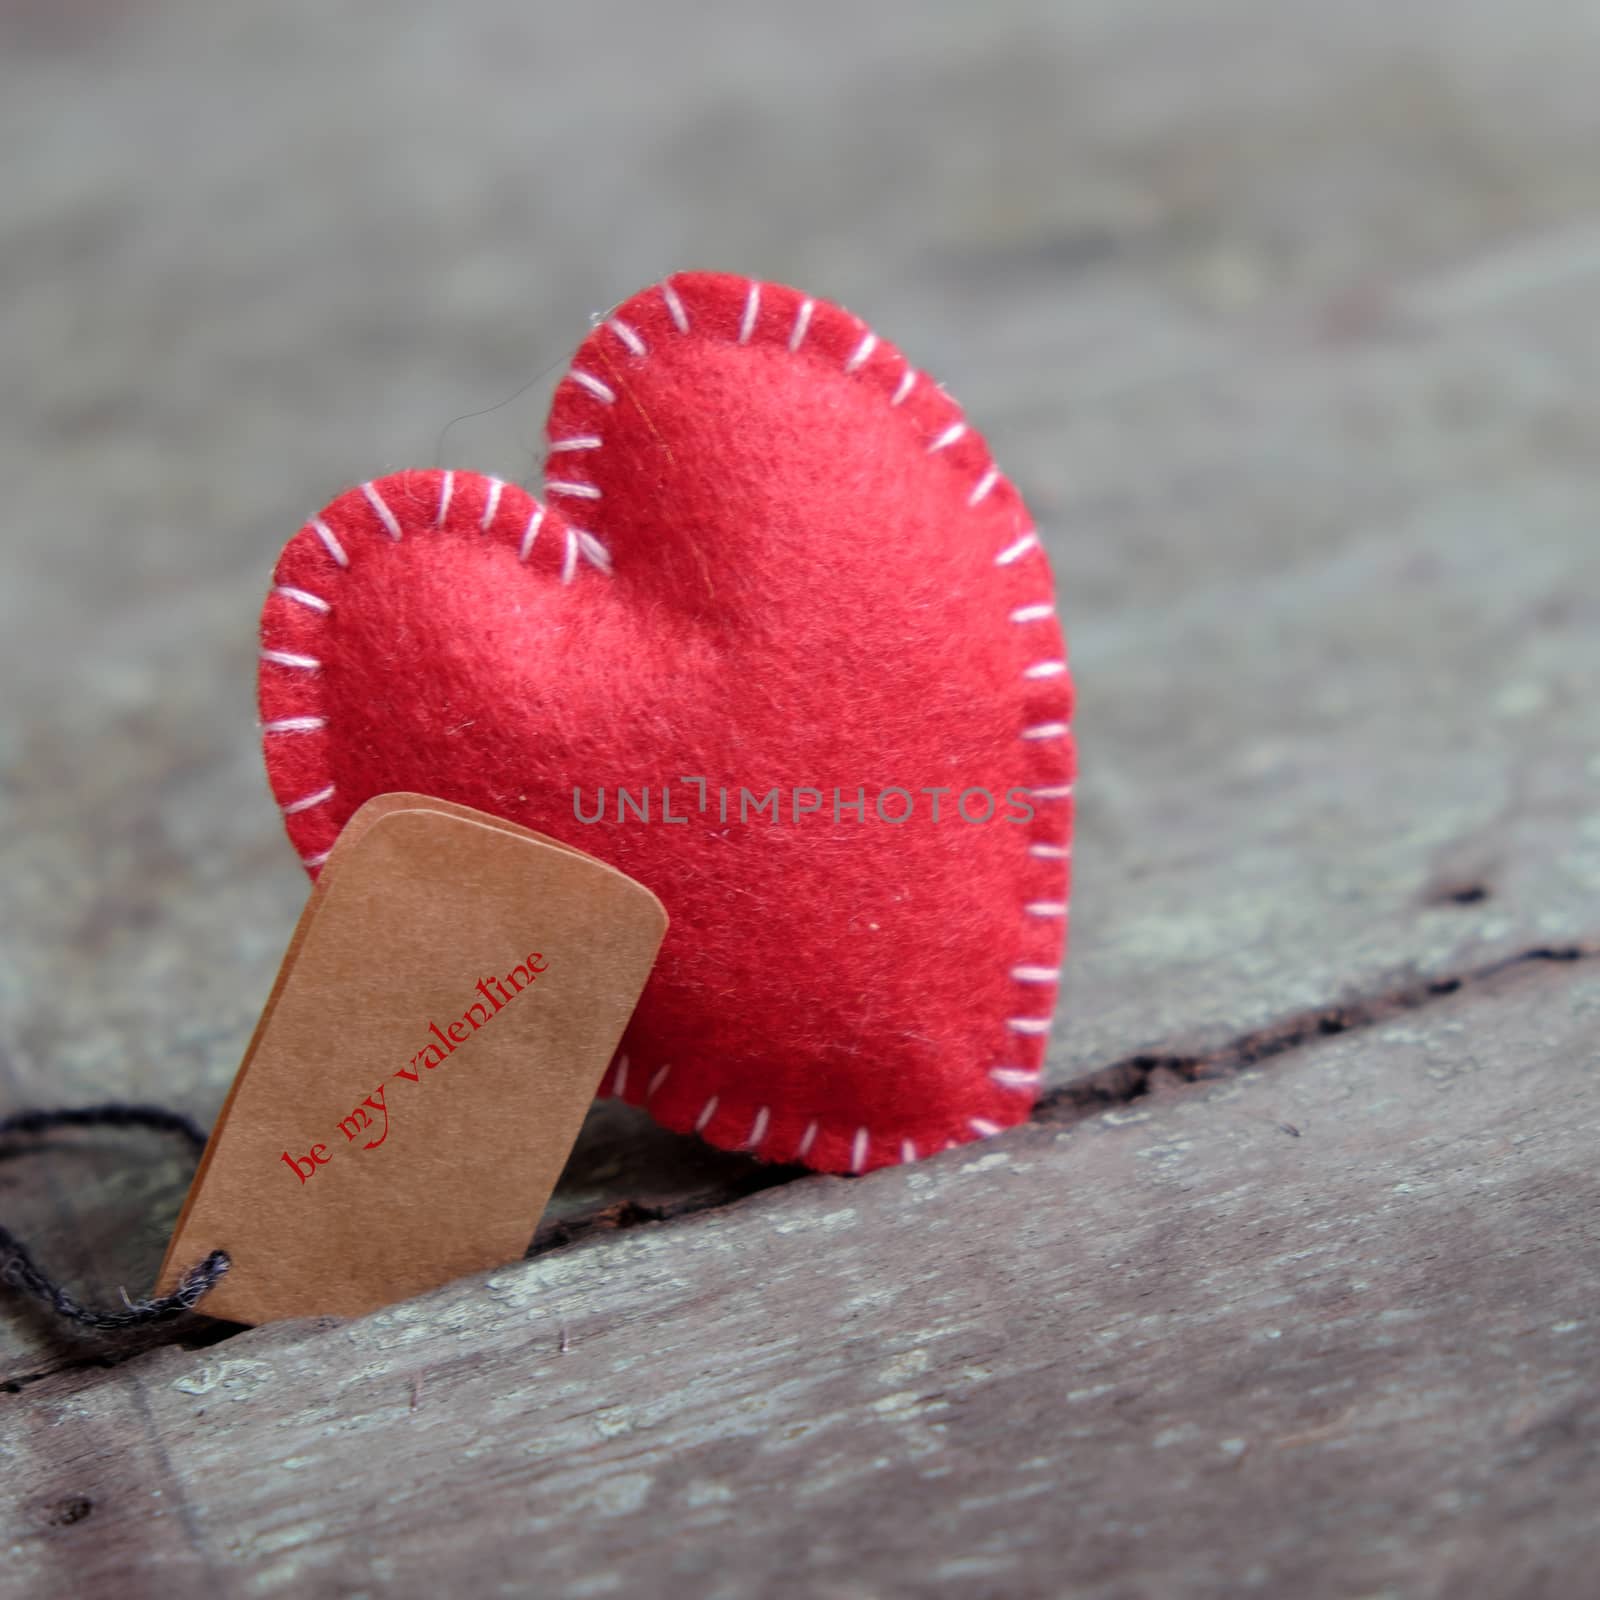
(18, 1268)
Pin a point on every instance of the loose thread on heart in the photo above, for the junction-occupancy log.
(18, 1268)
(500, 405)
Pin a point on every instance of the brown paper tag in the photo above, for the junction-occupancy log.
(446, 1009)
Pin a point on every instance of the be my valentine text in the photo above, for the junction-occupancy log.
(494, 994)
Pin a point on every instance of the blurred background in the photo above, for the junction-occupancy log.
(1281, 314)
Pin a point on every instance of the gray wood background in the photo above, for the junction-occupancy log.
(1286, 318)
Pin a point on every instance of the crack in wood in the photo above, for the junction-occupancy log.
(1135, 1076)
(1117, 1084)
(201, 1336)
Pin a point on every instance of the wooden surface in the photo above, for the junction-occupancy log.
(1286, 318)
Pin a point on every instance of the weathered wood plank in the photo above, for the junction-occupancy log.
(1321, 510)
(1324, 1328)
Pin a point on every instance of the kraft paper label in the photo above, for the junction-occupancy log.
(447, 1006)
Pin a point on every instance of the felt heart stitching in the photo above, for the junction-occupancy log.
(789, 564)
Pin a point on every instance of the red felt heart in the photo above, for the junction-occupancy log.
(776, 558)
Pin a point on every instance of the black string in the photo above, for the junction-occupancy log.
(18, 1268)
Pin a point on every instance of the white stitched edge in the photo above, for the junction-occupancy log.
(980, 491)
(1014, 1077)
(306, 802)
(593, 550)
(1030, 1025)
(535, 522)
(805, 1141)
(907, 382)
(381, 506)
(628, 336)
(446, 488)
(675, 307)
(1051, 852)
(859, 1148)
(908, 1151)
(1054, 791)
(587, 380)
(302, 597)
(707, 1112)
(578, 441)
(983, 1127)
(318, 859)
(802, 321)
(620, 1083)
(1047, 730)
(1030, 974)
(326, 535)
(1045, 669)
(869, 343)
(1020, 548)
(580, 491)
(294, 725)
(1036, 612)
(657, 1078)
(758, 1130)
(752, 309)
(1046, 908)
(491, 503)
(287, 658)
(948, 437)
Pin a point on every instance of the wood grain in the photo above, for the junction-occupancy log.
(1323, 1328)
